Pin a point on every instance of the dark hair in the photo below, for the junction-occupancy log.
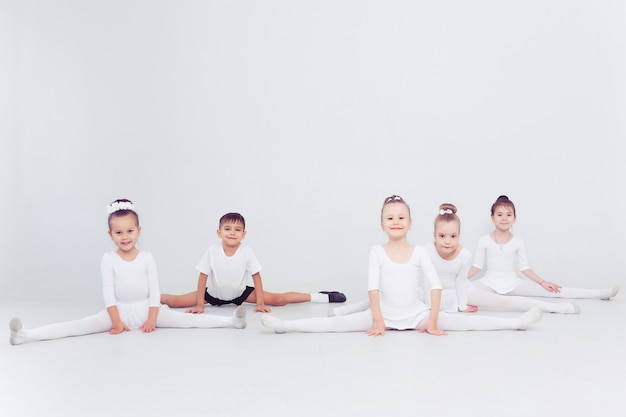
(444, 216)
(121, 212)
(232, 218)
(394, 199)
(502, 201)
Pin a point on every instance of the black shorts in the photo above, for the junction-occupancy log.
(238, 301)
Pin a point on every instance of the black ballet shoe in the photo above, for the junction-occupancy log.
(334, 296)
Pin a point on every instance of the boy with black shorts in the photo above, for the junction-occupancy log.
(225, 269)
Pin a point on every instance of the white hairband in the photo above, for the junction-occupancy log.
(446, 211)
(119, 205)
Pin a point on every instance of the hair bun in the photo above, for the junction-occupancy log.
(447, 208)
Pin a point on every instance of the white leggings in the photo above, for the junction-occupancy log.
(529, 288)
(517, 300)
(358, 317)
(101, 322)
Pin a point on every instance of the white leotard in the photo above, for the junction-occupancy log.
(133, 286)
(500, 263)
(453, 276)
(399, 286)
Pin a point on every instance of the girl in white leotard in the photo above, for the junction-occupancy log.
(500, 251)
(394, 274)
(131, 292)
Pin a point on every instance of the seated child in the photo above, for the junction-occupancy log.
(224, 272)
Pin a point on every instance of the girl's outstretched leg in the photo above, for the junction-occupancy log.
(482, 296)
(350, 323)
(464, 322)
(532, 289)
(97, 323)
(177, 319)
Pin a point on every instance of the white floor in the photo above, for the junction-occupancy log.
(565, 364)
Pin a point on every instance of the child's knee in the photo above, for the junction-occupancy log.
(279, 300)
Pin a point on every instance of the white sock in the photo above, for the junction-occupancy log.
(572, 309)
(273, 322)
(531, 316)
(239, 317)
(611, 292)
(319, 298)
(17, 332)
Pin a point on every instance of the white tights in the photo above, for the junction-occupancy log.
(483, 296)
(528, 288)
(358, 317)
(518, 299)
(101, 322)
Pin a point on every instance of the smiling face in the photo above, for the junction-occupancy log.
(503, 217)
(124, 232)
(396, 220)
(447, 238)
(231, 233)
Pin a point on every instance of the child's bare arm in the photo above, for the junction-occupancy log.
(548, 286)
(199, 308)
(258, 290)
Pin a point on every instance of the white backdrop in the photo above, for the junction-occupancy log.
(304, 116)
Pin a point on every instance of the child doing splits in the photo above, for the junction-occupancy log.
(500, 250)
(225, 269)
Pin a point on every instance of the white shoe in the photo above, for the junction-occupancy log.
(17, 331)
(272, 322)
(531, 316)
(613, 293)
(239, 317)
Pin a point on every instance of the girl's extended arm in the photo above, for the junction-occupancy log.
(150, 325)
(199, 308)
(258, 290)
(473, 271)
(117, 325)
(431, 325)
(377, 315)
(108, 293)
(548, 286)
(154, 296)
(462, 283)
(479, 257)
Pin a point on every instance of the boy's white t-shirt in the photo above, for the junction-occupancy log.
(228, 276)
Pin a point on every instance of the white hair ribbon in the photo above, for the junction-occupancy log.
(119, 205)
